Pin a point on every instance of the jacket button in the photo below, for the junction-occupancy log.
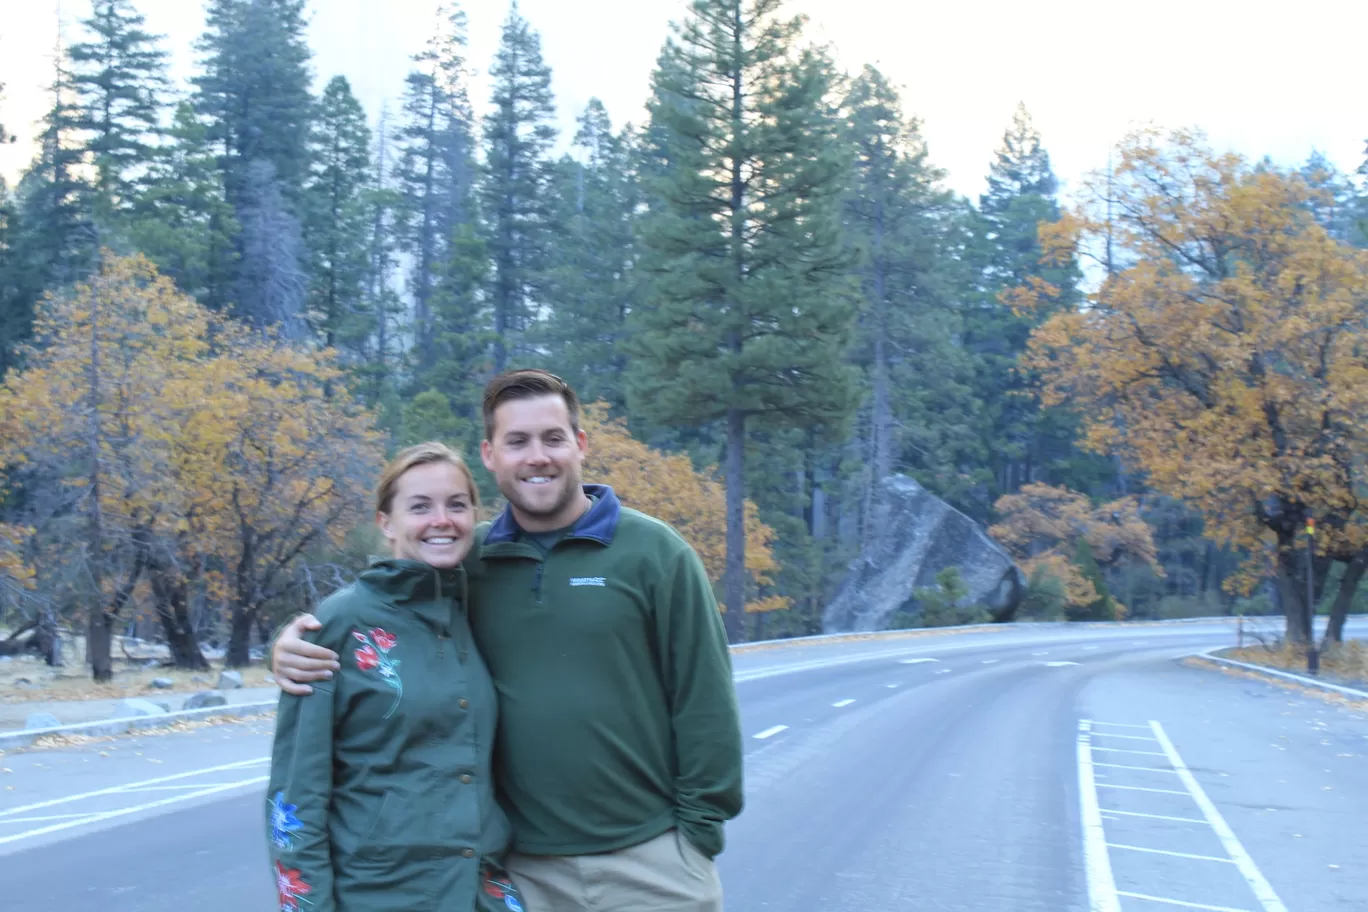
(464, 704)
(466, 778)
(468, 853)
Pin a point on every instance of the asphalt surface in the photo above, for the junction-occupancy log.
(1036, 768)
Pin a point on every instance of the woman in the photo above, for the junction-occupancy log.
(380, 797)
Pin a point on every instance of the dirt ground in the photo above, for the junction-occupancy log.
(26, 678)
(1346, 664)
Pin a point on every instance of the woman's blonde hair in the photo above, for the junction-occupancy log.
(421, 454)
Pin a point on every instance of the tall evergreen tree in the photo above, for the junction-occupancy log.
(181, 218)
(748, 314)
(337, 225)
(53, 242)
(435, 179)
(592, 282)
(253, 94)
(1024, 443)
(906, 229)
(518, 135)
(381, 204)
(119, 81)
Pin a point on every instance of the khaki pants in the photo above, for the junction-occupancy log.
(665, 874)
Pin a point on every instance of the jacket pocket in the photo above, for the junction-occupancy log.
(381, 832)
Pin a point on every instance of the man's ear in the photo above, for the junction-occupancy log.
(486, 449)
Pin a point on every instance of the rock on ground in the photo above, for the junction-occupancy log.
(918, 535)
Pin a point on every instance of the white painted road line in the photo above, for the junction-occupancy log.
(1095, 723)
(839, 703)
(133, 785)
(915, 661)
(991, 661)
(1143, 769)
(1136, 788)
(1155, 816)
(1126, 750)
(1044, 653)
(1126, 737)
(769, 732)
(1058, 664)
(1097, 864)
(944, 671)
(1263, 890)
(1132, 848)
(1179, 902)
(123, 812)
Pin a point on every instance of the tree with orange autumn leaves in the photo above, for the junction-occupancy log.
(668, 487)
(1225, 355)
(1042, 526)
(161, 447)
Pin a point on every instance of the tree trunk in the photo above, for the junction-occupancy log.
(173, 611)
(240, 638)
(735, 574)
(1292, 592)
(1344, 599)
(47, 639)
(98, 634)
(11, 645)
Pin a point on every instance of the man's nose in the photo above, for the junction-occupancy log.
(536, 452)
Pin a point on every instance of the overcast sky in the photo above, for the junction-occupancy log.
(1261, 77)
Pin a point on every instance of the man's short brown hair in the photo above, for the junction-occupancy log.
(527, 383)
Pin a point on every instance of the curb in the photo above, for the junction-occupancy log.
(12, 739)
(1284, 675)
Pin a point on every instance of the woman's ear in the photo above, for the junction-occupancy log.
(382, 522)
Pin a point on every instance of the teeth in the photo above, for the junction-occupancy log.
(439, 541)
(538, 479)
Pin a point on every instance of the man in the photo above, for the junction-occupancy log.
(619, 750)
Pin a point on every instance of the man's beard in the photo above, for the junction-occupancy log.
(572, 487)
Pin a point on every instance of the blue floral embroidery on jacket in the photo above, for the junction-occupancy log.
(283, 822)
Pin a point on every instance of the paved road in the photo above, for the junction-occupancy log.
(1039, 768)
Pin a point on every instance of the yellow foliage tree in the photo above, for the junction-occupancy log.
(15, 575)
(1041, 527)
(277, 462)
(1224, 353)
(194, 451)
(669, 488)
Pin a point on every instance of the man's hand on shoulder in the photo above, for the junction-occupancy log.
(295, 661)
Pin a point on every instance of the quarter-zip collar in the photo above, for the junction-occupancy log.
(599, 522)
(432, 593)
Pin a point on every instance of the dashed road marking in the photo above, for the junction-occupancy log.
(839, 703)
(915, 661)
(1134, 848)
(1058, 664)
(1179, 902)
(769, 732)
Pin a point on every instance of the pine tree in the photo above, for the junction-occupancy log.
(435, 177)
(907, 230)
(381, 204)
(748, 313)
(120, 84)
(1023, 443)
(592, 283)
(518, 135)
(52, 239)
(253, 95)
(337, 224)
(181, 218)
